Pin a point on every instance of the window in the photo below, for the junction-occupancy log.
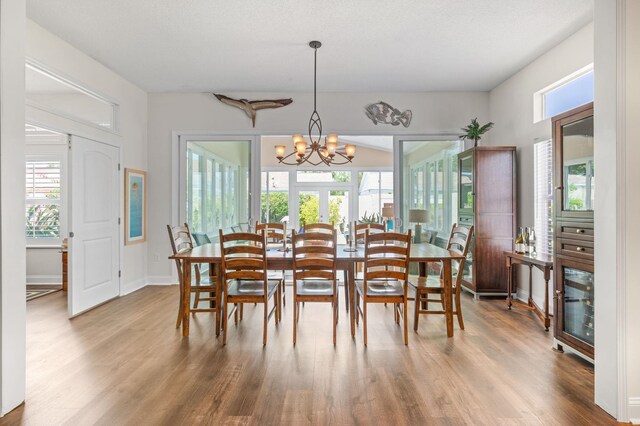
(217, 183)
(374, 190)
(543, 196)
(564, 95)
(43, 199)
(58, 95)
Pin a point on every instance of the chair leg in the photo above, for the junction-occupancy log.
(179, 320)
(224, 324)
(406, 328)
(284, 291)
(196, 301)
(459, 309)
(357, 312)
(416, 313)
(295, 318)
(264, 322)
(218, 309)
(335, 317)
(242, 310)
(364, 320)
(346, 290)
(235, 313)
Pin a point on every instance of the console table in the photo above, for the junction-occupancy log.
(542, 262)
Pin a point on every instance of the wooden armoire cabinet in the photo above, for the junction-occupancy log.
(487, 200)
(573, 240)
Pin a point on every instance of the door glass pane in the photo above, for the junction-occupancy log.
(466, 183)
(275, 197)
(577, 152)
(339, 211)
(309, 202)
(578, 303)
(439, 195)
(431, 173)
(217, 186)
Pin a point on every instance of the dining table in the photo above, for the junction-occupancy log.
(346, 260)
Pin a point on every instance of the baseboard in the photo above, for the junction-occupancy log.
(44, 279)
(133, 286)
(162, 280)
(634, 410)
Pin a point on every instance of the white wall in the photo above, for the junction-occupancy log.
(511, 109)
(341, 113)
(59, 56)
(12, 246)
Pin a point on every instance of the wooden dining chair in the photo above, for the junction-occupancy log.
(244, 269)
(431, 288)
(181, 241)
(385, 276)
(361, 230)
(276, 234)
(314, 273)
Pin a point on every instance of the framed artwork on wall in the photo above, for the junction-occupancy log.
(135, 206)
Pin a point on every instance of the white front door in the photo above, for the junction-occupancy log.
(94, 260)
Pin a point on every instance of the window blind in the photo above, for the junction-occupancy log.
(543, 196)
(42, 210)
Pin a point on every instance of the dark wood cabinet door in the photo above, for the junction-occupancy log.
(574, 166)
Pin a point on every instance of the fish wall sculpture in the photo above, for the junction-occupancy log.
(383, 113)
(250, 107)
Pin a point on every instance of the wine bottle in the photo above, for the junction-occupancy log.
(519, 243)
(532, 242)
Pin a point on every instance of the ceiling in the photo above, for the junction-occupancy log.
(368, 45)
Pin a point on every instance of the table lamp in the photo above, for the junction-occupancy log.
(387, 213)
(418, 216)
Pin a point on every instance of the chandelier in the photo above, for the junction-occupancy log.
(327, 151)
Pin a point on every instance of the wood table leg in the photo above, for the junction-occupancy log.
(219, 292)
(448, 305)
(509, 283)
(352, 297)
(186, 296)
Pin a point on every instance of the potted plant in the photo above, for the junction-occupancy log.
(475, 131)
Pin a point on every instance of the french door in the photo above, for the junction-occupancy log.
(321, 204)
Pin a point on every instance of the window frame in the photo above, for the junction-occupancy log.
(49, 154)
(539, 97)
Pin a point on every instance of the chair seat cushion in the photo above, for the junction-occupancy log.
(251, 287)
(314, 287)
(381, 287)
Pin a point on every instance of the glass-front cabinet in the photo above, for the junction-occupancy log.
(574, 298)
(466, 176)
(574, 176)
(574, 166)
(486, 200)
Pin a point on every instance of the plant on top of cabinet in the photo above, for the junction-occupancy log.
(474, 131)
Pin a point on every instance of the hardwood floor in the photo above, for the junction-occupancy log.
(126, 363)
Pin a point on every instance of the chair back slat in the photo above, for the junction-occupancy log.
(244, 249)
(386, 257)
(314, 255)
(275, 231)
(374, 228)
(459, 243)
(244, 256)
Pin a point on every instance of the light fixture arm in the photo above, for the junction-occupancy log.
(327, 152)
